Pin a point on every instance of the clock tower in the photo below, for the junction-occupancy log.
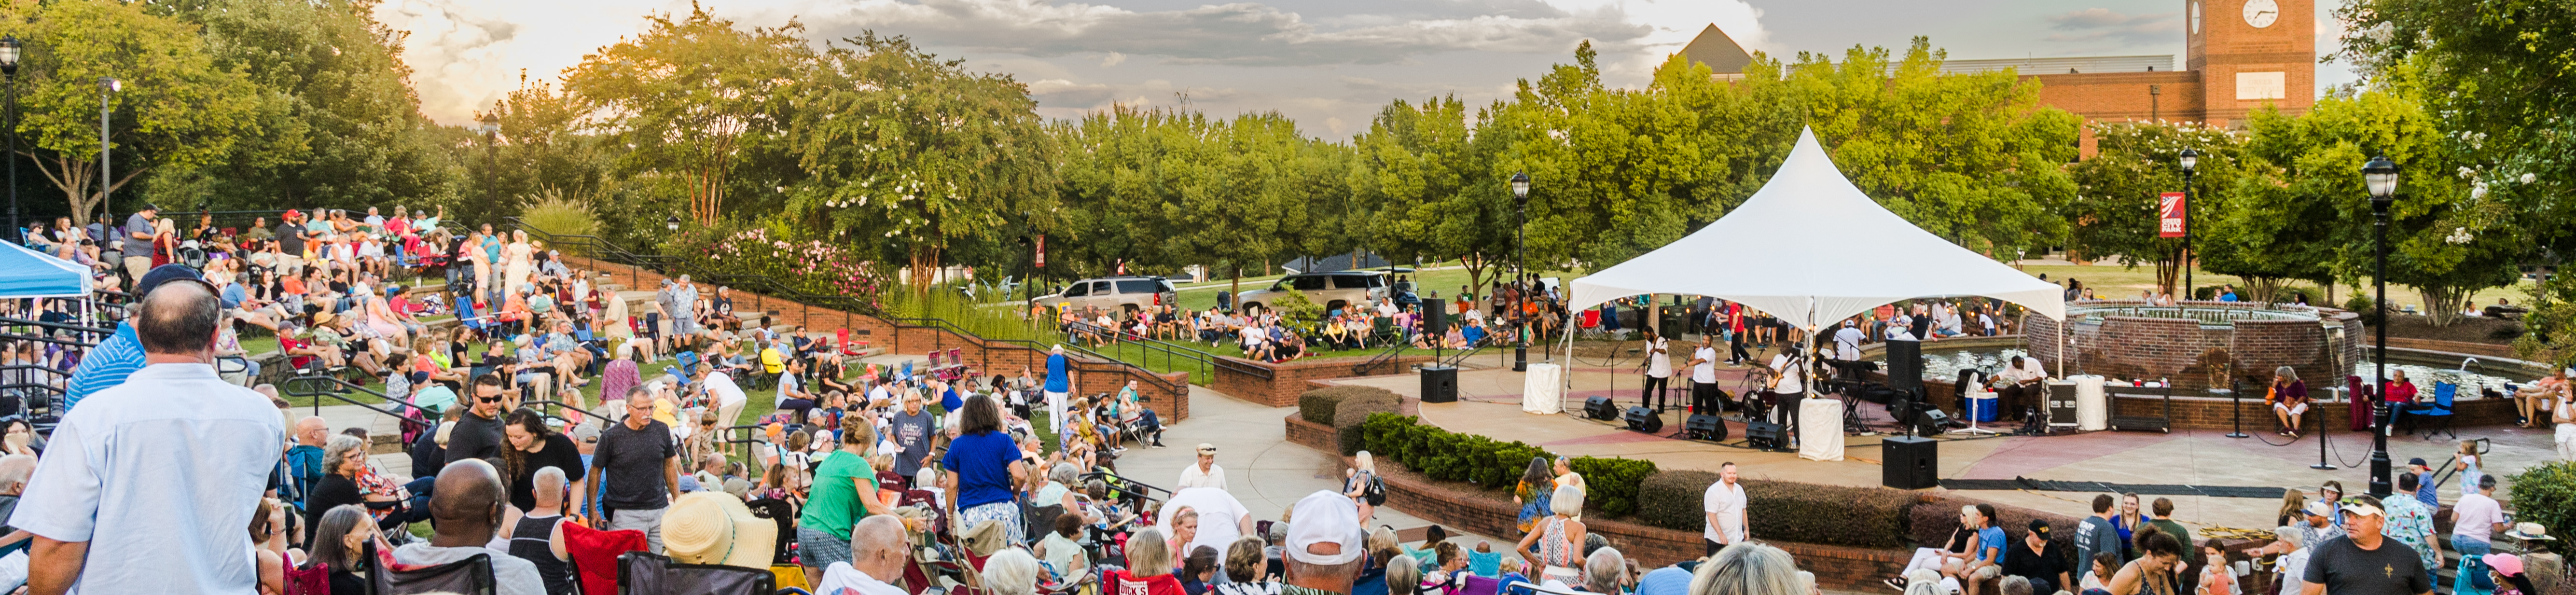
(2251, 53)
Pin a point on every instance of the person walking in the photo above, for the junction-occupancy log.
(1058, 383)
(1724, 505)
(2475, 519)
(158, 475)
(639, 465)
(2097, 535)
(1202, 474)
(1659, 372)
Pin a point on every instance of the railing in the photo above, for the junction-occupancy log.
(1453, 361)
(2206, 314)
(317, 387)
(944, 324)
(552, 409)
(1382, 358)
(43, 398)
(1172, 353)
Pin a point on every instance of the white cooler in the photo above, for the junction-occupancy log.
(1543, 389)
(2092, 403)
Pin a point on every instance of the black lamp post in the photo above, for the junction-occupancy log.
(490, 125)
(671, 223)
(2190, 161)
(107, 87)
(1520, 268)
(9, 50)
(2380, 176)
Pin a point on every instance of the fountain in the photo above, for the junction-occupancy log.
(2197, 344)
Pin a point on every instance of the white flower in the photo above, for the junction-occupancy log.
(2466, 173)
(2478, 191)
(2459, 235)
(2528, 178)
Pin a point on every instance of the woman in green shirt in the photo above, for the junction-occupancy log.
(845, 490)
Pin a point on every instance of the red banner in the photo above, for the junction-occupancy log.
(2169, 215)
(1041, 251)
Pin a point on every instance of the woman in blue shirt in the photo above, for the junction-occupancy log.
(983, 467)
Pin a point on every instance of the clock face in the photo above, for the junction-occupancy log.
(2261, 13)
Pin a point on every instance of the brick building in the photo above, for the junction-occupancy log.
(2239, 55)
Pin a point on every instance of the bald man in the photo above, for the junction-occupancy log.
(537, 536)
(14, 470)
(304, 459)
(467, 503)
(877, 552)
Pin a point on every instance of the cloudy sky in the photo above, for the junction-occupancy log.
(1328, 63)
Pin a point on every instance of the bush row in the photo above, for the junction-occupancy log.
(1449, 456)
(1820, 514)
(1354, 410)
(1316, 406)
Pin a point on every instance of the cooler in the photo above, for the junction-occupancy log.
(1983, 408)
(2092, 403)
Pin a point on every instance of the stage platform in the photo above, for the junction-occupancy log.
(1489, 405)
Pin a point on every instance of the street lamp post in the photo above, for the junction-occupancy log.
(671, 223)
(107, 87)
(2190, 161)
(1520, 269)
(2380, 176)
(9, 51)
(490, 126)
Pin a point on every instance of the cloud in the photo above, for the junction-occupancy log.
(2103, 24)
(1236, 34)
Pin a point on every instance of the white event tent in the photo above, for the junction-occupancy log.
(1810, 249)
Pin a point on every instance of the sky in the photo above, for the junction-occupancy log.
(1330, 64)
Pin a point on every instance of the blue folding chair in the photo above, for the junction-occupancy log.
(688, 361)
(906, 374)
(465, 314)
(2440, 410)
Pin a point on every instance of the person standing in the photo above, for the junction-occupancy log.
(2095, 536)
(1058, 383)
(911, 430)
(2365, 562)
(2564, 409)
(1789, 390)
(2410, 522)
(1724, 505)
(640, 466)
(1847, 342)
(140, 234)
(2163, 521)
(477, 435)
(158, 475)
(1703, 365)
(1204, 473)
(1659, 372)
(2475, 519)
(118, 357)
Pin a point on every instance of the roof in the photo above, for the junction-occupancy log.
(1720, 52)
(2066, 65)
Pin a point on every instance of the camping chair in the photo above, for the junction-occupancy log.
(688, 361)
(2444, 395)
(1382, 329)
(906, 374)
(645, 573)
(470, 576)
(957, 357)
(848, 347)
(465, 314)
(594, 555)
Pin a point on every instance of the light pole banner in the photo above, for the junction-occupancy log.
(2169, 215)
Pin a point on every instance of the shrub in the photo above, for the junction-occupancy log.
(1674, 499)
(1612, 483)
(1348, 416)
(1829, 515)
(1317, 405)
(549, 210)
(2546, 494)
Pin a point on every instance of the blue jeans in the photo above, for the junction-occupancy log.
(2469, 547)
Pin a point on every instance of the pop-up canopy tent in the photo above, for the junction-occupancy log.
(26, 273)
(1811, 249)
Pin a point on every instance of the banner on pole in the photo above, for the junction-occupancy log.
(2169, 219)
(1041, 259)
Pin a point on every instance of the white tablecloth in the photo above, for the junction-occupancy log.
(1820, 430)
(2092, 404)
(1543, 389)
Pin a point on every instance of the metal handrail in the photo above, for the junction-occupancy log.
(1383, 357)
(560, 404)
(946, 325)
(1168, 349)
(306, 386)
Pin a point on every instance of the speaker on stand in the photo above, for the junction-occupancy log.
(1905, 365)
(1599, 408)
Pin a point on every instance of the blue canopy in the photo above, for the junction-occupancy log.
(26, 273)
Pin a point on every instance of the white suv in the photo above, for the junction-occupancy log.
(1332, 290)
(1131, 293)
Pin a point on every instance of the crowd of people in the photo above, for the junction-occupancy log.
(1273, 335)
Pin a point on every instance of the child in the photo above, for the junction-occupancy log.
(2215, 583)
(1451, 575)
(1511, 568)
(1485, 562)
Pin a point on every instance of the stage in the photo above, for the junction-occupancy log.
(1489, 405)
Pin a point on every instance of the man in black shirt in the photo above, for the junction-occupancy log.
(2036, 558)
(478, 432)
(290, 242)
(2365, 562)
(640, 467)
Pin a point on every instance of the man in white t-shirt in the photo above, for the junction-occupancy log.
(1791, 388)
(1222, 519)
(727, 397)
(1203, 473)
(2022, 389)
(1724, 507)
(1847, 342)
(1659, 372)
(1703, 363)
(877, 549)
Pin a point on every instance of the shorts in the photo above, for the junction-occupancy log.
(1987, 572)
(2295, 410)
(816, 549)
(1005, 512)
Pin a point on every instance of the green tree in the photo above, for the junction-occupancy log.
(177, 109)
(1430, 184)
(541, 149)
(917, 152)
(702, 103)
(2113, 214)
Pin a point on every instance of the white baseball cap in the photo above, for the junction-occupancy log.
(1324, 518)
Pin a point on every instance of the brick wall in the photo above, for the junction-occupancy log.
(2181, 350)
(1313, 435)
(1170, 398)
(2459, 347)
(1287, 380)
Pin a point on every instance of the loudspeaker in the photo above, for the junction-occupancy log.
(1763, 434)
(1435, 318)
(1600, 409)
(1904, 365)
(1704, 427)
(1644, 420)
(1931, 420)
(1439, 384)
(1912, 463)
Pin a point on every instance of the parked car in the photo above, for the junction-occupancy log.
(1333, 290)
(1126, 292)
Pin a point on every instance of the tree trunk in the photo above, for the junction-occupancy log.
(1234, 289)
(2263, 289)
(2442, 304)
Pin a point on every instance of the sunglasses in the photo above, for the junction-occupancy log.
(489, 399)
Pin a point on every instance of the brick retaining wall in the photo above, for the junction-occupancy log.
(1287, 380)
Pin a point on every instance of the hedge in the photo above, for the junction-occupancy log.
(1786, 511)
(1673, 499)
(2546, 494)
(1316, 406)
(1449, 456)
(1351, 411)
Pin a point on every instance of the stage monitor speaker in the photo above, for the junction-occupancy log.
(1600, 409)
(1904, 365)
(1704, 427)
(1930, 420)
(1763, 434)
(1439, 384)
(1644, 420)
(1435, 318)
(1912, 463)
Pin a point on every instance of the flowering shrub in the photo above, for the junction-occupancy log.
(809, 266)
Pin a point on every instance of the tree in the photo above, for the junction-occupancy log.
(700, 101)
(177, 109)
(2265, 228)
(918, 151)
(1430, 185)
(2114, 214)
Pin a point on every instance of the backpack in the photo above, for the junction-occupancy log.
(1375, 491)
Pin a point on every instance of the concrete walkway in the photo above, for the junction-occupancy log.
(1263, 469)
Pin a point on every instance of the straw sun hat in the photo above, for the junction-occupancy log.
(716, 528)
